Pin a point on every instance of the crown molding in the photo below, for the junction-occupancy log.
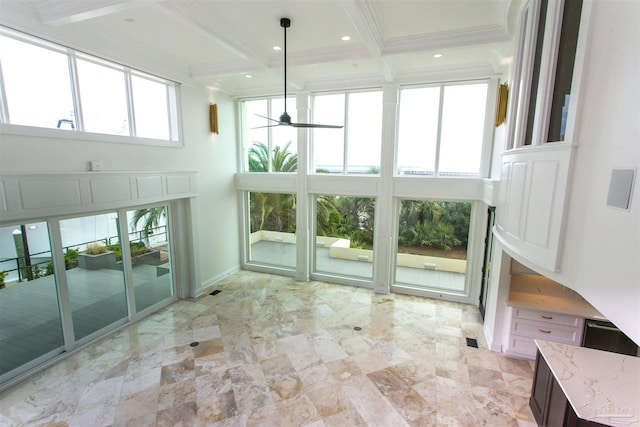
(447, 73)
(446, 40)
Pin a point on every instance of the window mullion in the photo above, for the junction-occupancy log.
(129, 95)
(436, 168)
(75, 92)
(345, 135)
(4, 108)
(269, 136)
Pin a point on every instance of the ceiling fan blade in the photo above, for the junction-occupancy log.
(268, 118)
(313, 125)
(266, 126)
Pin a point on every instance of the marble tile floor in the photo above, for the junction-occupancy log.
(276, 352)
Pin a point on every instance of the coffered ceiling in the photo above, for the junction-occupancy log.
(228, 44)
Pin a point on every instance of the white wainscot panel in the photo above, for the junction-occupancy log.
(515, 196)
(541, 204)
(178, 184)
(111, 189)
(531, 203)
(47, 193)
(149, 186)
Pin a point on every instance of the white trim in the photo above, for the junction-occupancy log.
(202, 290)
(65, 134)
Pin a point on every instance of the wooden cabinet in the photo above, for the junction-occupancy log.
(528, 325)
(548, 403)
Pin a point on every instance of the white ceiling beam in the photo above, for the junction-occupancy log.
(446, 40)
(364, 16)
(214, 27)
(57, 13)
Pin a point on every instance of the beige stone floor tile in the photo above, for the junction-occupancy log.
(276, 352)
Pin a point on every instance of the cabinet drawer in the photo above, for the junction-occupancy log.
(546, 331)
(522, 346)
(548, 317)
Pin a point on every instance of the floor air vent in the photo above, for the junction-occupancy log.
(216, 292)
(472, 342)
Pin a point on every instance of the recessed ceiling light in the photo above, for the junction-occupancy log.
(277, 48)
(249, 76)
(129, 20)
(346, 38)
(437, 55)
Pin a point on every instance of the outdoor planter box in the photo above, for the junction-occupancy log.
(97, 262)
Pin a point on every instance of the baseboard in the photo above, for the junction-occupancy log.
(213, 280)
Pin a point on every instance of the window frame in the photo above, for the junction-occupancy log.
(246, 144)
(175, 137)
(345, 152)
(487, 132)
(536, 112)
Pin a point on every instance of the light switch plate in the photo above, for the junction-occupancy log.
(96, 165)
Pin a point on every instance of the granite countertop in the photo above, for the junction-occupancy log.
(539, 293)
(601, 386)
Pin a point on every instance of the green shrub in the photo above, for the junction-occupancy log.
(96, 248)
(3, 274)
(137, 248)
(70, 259)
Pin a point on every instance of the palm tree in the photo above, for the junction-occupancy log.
(151, 219)
(272, 211)
(281, 161)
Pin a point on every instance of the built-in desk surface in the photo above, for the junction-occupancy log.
(539, 293)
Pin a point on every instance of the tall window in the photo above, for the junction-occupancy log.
(344, 240)
(441, 130)
(432, 245)
(40, 78)
(269, 148)
(356, 148)
(272, 219)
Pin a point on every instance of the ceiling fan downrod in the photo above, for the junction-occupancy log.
(285, 117)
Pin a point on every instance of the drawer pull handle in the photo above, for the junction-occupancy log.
(546, 317)
(543, 331)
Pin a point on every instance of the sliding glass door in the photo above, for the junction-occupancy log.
(31, 325)
(150, 256)
(95, 276)
(66, 282)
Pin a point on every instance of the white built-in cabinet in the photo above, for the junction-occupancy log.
(531, 201)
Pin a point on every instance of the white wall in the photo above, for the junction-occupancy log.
(211, 156)
(601, 256)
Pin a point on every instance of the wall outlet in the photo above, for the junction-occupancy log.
(96, 165)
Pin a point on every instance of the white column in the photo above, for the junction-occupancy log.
(386, 212)
(304, 215)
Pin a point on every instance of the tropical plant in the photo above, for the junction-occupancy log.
(150, 218)
(136, 248)
(272, 211)
(282, 159)
(3, 274)
(71, 258)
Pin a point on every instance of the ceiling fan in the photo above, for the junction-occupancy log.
(285, 118)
